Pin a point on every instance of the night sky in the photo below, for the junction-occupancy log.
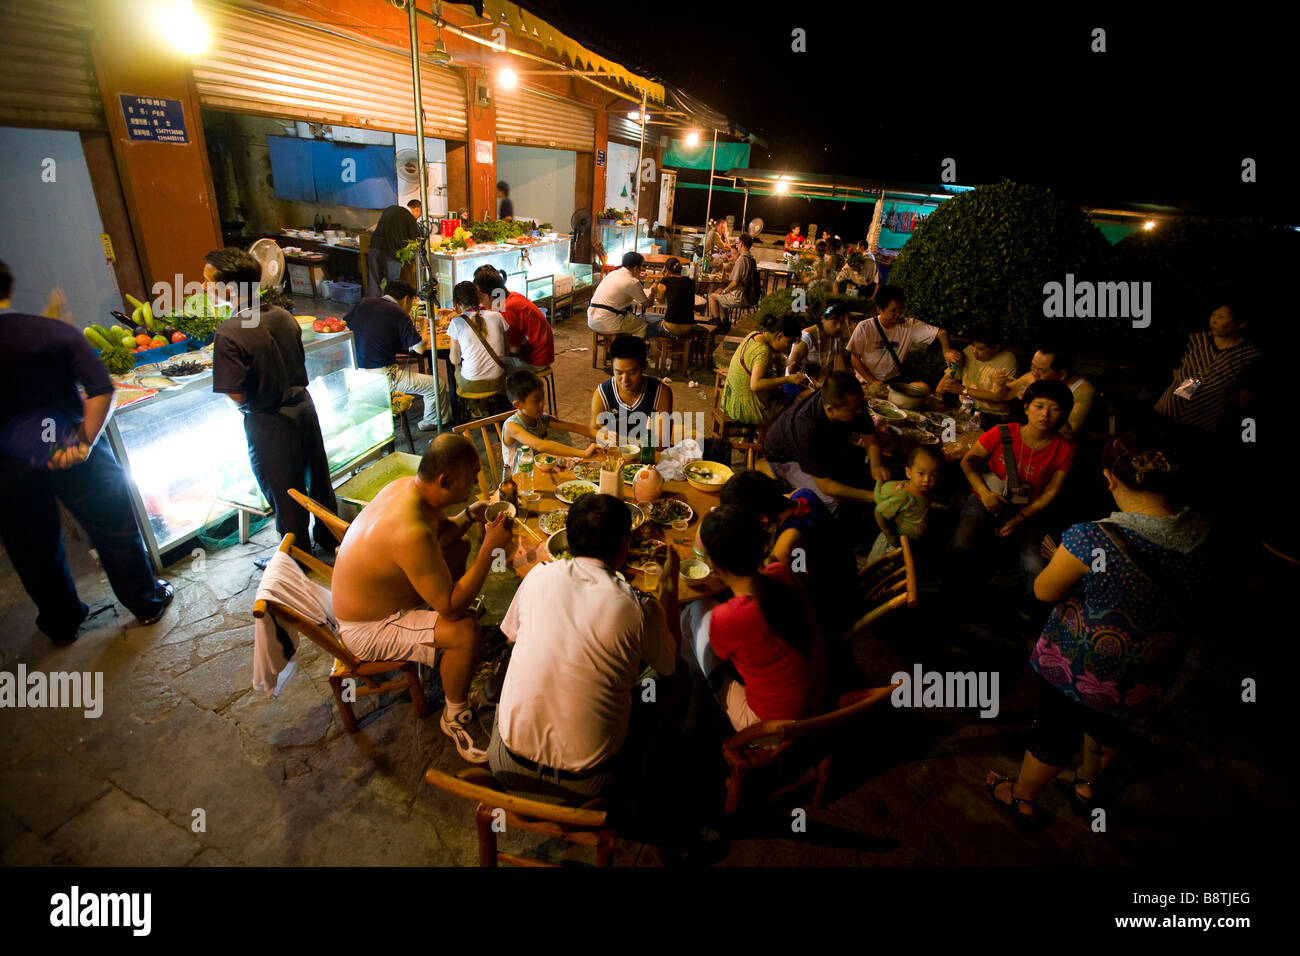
(1165, 116)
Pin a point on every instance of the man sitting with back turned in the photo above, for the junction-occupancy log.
(395, 598)
(580, 635)
(382, 330)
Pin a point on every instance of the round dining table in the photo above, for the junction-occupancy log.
(530, 549)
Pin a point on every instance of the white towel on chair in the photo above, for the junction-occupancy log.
(285, 583)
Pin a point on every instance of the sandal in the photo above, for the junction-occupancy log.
(1077, 800)
(1022, 819)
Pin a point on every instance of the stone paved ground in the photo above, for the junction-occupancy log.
(282, 783)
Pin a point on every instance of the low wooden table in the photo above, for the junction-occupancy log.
(544, 483)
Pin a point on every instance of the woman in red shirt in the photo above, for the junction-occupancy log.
(767, 630)
(1041, 458)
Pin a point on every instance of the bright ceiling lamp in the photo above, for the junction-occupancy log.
(781, 185)
(507, 78)
(185, 30)
(1149, 225)
(693, 138)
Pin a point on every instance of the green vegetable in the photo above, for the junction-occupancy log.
(117, 359)
(97, 340)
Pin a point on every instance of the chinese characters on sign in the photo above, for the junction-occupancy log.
(153, 118)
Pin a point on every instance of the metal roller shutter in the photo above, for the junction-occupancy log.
(628, 132)
(260, 63)
(529, 118)
(47, 72)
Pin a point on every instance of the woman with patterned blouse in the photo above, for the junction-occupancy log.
(1127, 592)
(1211, 378)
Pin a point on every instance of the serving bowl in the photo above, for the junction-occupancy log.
(719, 474)
(910, 397)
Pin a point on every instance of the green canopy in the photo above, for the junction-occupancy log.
(682, 156)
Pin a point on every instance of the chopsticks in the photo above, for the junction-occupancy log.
(533, 534)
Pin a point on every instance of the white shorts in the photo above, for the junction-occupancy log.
(405, 636)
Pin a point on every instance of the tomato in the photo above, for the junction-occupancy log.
(142, 341)
(178, 337)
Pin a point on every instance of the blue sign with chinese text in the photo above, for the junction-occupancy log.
(600, 157)
(154, 118)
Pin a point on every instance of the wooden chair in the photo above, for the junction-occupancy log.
(601, 340)
(547, 375)
(478, 399)
(338, 527)
(585, 826)
(770, 742)
(667, 347)
(488, 432)
(887, 584)
(741, 436)
(346, 665)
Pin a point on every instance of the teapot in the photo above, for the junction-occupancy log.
(648, 485)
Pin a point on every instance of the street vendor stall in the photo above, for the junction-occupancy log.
(184, 449)
(539, 269)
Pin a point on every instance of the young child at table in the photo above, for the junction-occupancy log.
(530, 425)
(804, 535)
(766, 631)
(903, 506)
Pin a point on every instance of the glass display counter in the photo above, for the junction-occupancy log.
(529, 269)
(185, 453)
(617, 240)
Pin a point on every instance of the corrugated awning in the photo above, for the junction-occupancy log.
(834, 185)
(529, 26)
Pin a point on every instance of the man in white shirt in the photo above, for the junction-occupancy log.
(1051, 362)
(580, 636)
(878, 347)
(612, 303)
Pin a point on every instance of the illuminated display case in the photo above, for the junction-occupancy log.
(618, 239)
(185, 452)
(539, 271)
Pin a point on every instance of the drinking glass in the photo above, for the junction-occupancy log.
(679, 527)
(653, 572)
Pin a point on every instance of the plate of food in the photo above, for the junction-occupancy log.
(937, 419)
(186, 367)
(545, 462)
(552, 521)
(667, 510)
(648, 542)
(587, 471)
(887, 410)
(708, 475)
(630, 472)
(571, 491)
(693, 569)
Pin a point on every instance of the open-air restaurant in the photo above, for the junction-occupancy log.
(496, 455)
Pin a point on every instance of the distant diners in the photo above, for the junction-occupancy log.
(902, 507)
(1217, 374)
(613, 304)
(1120, 627)
(1037, 459)
(625, 401)
(794, 238)
(766, 631)
(395, 597)
(677, 292)
(812, 444)
(879, 346)
(580, 635)
(530, 426)
(752, 395)
(1053, 363)
(859, 269)
(986, 374)
(715, 240)
(744, 275)
(478, 343)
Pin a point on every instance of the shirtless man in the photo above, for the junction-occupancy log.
(391, 570)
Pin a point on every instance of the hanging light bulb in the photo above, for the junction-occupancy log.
(693, 138)
(186, 31)
(507, 78)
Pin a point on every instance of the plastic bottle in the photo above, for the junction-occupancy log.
(524, 471)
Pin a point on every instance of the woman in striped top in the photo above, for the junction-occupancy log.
(1211, 378)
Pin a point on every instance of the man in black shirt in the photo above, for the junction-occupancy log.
(383, 330)
(259, 362)
(50, 452)
(397, 226)
(812, 444)
(507, 207)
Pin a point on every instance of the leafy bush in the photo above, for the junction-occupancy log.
(990, 251)
(1192, 263)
